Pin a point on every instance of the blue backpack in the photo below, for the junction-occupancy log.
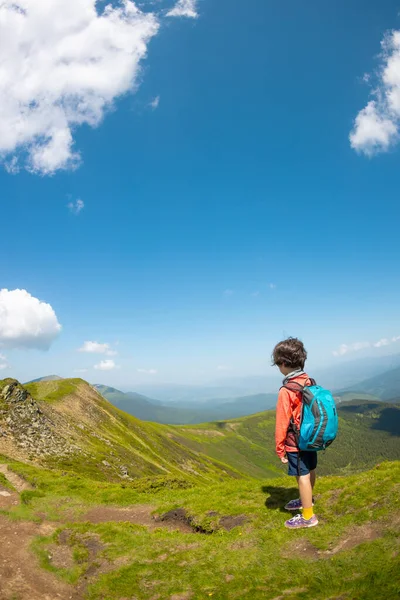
(318, 420)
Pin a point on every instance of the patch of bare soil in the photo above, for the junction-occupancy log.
(8, 498)
(16, 481)
(230, 522)
(20, 574)
(354, 537)
(139, 514)
(177, 519)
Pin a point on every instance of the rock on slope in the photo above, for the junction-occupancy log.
(24, 426)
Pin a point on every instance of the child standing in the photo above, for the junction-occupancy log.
(290, 356)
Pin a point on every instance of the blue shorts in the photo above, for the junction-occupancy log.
(308, 462)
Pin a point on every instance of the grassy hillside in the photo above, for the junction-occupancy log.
(224, 540)
(368, 433)
(195, 512)
(69, 425)
(385, 386)
(114, 445)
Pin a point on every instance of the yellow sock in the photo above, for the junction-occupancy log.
(308, 513)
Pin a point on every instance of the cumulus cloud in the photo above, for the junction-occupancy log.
(184, 8)
(96, 348)
(147, 371)
(106, 365)
(346, 348)
(381, 343)
(26, 321)
(155, 103)
(76, 207)
(376, 127)
(64, 63)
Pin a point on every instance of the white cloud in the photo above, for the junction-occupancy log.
(96, 348)
(80, 370)
(273, 286)
(64, 63)
(224, 368)
(3, 366)
(25, 321)
(376, 126)
(346, 348)
(147, 371)
(106, 365)
(382, 342)
(155, 103)
(184, 8)
(76, 207)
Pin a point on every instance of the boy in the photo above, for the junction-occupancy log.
(290, 356)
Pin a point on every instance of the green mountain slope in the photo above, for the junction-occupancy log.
(369, 432)
(46, 378)
(385, 386)
(80, 431)
(67, 424)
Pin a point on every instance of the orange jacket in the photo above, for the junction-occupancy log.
(287, 408)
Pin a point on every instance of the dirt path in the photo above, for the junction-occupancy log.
(20, 574)
(16, 481)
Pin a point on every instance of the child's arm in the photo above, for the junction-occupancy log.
(283, 416)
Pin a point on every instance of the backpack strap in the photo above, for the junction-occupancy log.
(294, 386)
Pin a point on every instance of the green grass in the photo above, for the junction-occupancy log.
(260, 560)
(52, 391)
(239, 448)
(5, 483)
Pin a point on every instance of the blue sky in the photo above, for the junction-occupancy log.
(230, 213)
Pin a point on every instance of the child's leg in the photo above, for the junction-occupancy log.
(313, 476)
(306, 488)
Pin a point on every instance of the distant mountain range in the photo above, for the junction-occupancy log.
(174, 404)
(385, 386)
(147, 409)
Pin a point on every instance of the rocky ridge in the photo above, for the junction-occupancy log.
(23, 423)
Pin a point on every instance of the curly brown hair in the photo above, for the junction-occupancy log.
(290, 353)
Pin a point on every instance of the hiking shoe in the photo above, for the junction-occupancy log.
(298, 521)
(295, 504)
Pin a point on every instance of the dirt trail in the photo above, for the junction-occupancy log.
(16, 481)
(20, 575)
